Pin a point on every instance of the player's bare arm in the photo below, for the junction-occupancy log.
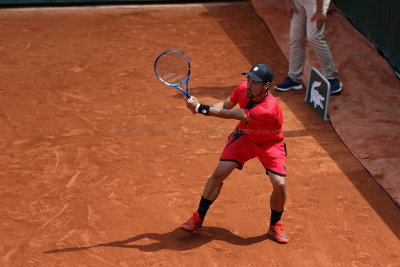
(223, 109)
(234, 113)
(227, 104)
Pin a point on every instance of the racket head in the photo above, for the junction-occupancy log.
(172, 67)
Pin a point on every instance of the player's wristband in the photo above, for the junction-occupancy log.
(197, 108)
(320, 10)
(203, 109)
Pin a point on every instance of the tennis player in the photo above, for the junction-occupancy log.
(258, 134)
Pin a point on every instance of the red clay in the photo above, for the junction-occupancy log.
(101, 162)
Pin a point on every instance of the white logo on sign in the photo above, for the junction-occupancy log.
(316, 98)
(255, 69)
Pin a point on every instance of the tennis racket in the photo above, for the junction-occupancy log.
(172, 67)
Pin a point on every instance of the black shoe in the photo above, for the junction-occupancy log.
(336, 86)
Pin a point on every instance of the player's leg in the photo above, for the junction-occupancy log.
(214, 184)
(237, 151)
(277, 204)
(278, 196)
(210, 194)
(272, 156)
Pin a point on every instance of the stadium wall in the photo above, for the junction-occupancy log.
(379, 22)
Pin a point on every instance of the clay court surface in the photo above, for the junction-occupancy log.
(101, 162)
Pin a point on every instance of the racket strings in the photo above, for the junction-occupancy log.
(173, 68)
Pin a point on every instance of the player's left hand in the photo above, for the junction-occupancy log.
(191, 103)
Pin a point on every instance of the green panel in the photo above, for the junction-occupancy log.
(317, 93)
(379, 22)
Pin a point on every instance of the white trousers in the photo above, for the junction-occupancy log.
(301, 27)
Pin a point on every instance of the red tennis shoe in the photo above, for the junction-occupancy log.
(193, 224)
(278, 233)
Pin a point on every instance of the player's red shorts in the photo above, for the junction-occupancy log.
(240, 149)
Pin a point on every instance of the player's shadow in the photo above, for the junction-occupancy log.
(216, 92)
(175, 240)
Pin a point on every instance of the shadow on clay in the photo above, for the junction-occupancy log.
(177, 239)
(216, 92)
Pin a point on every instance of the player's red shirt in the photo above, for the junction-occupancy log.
(265, 116)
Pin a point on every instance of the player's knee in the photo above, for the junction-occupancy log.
(279, 190)
(219, 176)
(279, 185)
(221, 172)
